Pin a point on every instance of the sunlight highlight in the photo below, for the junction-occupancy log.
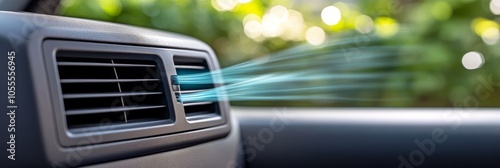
(224, 5)
(294, 27)
(364, 24)
(315, 36)
(331, 15)
(253, 29)
(491, 36)
(386, 26)
(472, 60)
(495, 7)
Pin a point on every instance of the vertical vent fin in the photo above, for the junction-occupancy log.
(120, 90)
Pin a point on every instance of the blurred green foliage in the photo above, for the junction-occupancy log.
(447, 29)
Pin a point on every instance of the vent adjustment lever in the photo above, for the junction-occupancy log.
(176, 88)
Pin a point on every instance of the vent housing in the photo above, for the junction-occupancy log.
(102, 88)
(195, 110)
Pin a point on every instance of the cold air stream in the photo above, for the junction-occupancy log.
(335, 71)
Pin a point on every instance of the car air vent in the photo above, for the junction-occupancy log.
(195, 110)
(124, 89)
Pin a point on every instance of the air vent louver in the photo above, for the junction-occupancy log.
(107, 87)
(195, 110)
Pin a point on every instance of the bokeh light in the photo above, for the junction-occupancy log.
(386, 26)
(331, 15)
(224, 5)
(253, 29)
(480, 25)
(294, 27)
(364, 24)
(495, 7)
(315, 36)
(271, 25)
(472, 60)
(280, 13)
(244, 1)
(490, 36)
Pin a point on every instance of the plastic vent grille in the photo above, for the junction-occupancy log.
(195, 110)
(101, 88)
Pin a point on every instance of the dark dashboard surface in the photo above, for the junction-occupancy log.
(337, 137)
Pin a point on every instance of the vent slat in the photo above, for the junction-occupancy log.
(98, 95)
(191, 91)
(189, 67)
(202, 116)
(106, 80)
(102, 64)
(197, 103)
(113, 109)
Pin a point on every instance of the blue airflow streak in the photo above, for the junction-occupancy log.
(331, 72)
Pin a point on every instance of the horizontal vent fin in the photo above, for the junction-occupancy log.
(189, 67)
(191, 91)
(199, 116)
(114, 109)
(105, 80)
(197, 103)
(117, 94)
(101, 64)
